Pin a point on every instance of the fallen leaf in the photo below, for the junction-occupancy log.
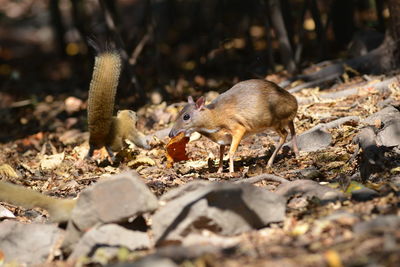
(71, 137)
(176, 149)
(33, 139)
(72, 104)
(5, 214)
(198, 164)
(1, 258)
(140, 161)
(353, 186)
(51, 162)
(333, 259)
(395, 170)
(300, 229)
(7, 171)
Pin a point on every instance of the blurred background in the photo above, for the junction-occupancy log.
(172, 48)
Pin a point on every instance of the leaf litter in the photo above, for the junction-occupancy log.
(311, 234)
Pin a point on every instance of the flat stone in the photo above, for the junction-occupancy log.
(309, 188)
(364, 194)
(314, 139)
(28, 244)
(223, 208)
(389, 135)
(383, 115)
(114, 199)
(110, 236)
(111, 200)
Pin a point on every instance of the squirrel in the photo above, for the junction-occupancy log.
(106, 130)
(59, 209)
(249, 107)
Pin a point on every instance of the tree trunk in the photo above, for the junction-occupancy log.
(394, 32)
(279, 26)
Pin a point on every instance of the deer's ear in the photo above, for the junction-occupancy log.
(190, 100)
(200, 103)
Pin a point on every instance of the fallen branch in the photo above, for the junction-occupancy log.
(382, 86)
(328, 73)
(315, 83)
(261, 177)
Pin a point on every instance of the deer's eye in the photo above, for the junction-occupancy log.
(186, 117)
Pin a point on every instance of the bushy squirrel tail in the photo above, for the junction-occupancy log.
(59, 209)
(103, 88)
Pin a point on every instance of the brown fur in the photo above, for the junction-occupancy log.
(247, 108)
(124, 127)
(104, 129)
(103, 87)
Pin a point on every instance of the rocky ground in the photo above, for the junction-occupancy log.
(337, 204)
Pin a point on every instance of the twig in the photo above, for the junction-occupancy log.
(264, 176)
(139, 48)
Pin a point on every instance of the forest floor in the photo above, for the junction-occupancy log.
(312, 234)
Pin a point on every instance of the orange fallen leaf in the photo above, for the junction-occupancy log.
(176, 149)
(333, 258)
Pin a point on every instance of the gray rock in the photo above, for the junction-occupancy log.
(372, 156)
(386, 103)
(311, 173)
(224, 208)
(309, 188)
(364, 194)
(318, 137)
(28, 243)
(112, 237)
(390, 134)
(114, 199)
(380, 224)
(314, 139)
(383, 115)
(183, 189)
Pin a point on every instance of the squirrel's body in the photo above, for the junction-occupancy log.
(104, 129)
(124, 127)
(247, 108)
(59, 209)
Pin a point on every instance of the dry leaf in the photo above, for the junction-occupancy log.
(300, 229)
(333, 259)
(51, 162)
(2, 258)
(176, 149)
(72, 104)
(33, 139)
(198, 164)
(139, 161)
(5, 213)
(7, 171)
